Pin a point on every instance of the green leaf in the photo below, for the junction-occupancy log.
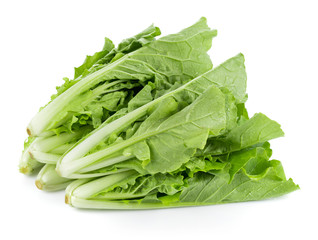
(203, 164)
(247, 159)
(91, 60)
(143, 186)
(175, 140)
(256, 130)
(231, 74)
(143, 97)
(210, 189)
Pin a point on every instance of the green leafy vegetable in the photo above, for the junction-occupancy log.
(149, 124)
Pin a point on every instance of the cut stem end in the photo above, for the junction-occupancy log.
(67, 199)
(25, 170)
(38, 184)
(29, 131)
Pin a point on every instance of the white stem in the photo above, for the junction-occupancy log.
(46, 144)
(98, 174)
(96, 186)
(43, 157)
(101, 133)
(48, 179)
(63, 148)
(105, 163)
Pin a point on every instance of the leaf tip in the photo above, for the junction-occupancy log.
(203, 19)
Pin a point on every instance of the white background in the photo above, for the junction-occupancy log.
(41, 42)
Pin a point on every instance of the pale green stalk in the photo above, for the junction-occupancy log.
(49, 180)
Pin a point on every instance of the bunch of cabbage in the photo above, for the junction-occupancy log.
(180, 137)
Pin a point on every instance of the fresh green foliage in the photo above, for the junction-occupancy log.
(256, 178)
(176, 57)
(149, 124)
(92, 149)
(253, 131)
(105, 83)
(168, 137)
